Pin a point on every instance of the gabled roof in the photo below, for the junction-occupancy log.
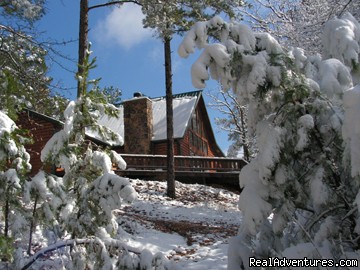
(183, 106)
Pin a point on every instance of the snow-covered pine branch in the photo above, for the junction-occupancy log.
(96, 241)
(297, 23)
(25, 9)
(23, 76)
(76, 156)
(14, 164)
(302, 109)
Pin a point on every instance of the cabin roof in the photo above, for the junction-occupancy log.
(60, 123)
(116, 125)
(183, 106)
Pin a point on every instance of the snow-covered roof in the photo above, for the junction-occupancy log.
(182, 107)
(114, 124)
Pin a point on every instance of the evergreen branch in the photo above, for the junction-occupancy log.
(352, 211)
(309, 236)
(47, 46)
(73, 242)
(322, 214)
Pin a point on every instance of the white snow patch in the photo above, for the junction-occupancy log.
(319, 192)
(305, 124)
(102, 160)
(270, 141)
(114, 124)
(255, 209)
(351, 128)
(335, 78)
(341, 39)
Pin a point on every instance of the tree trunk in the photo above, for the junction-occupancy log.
(245, 142)
(83, 42)
(169, 120)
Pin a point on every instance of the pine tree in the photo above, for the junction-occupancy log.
(300, 193)
(78, 208)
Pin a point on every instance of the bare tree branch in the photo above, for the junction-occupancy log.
(114, 3)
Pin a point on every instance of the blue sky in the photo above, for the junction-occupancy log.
(128, 56)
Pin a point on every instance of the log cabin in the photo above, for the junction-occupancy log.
(142, 124)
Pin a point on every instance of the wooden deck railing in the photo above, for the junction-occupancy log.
(183, 163)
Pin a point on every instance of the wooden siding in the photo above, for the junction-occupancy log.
(185, 145)
(160, 148)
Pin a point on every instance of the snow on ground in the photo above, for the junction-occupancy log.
(193, 230)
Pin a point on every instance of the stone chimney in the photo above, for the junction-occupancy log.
(138, 125)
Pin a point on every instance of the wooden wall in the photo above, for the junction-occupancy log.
(160, 148)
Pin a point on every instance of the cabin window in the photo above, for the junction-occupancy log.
(198, 145)
(194, 122)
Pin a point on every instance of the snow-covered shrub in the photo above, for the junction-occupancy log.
(300, 194)
(14, 164)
